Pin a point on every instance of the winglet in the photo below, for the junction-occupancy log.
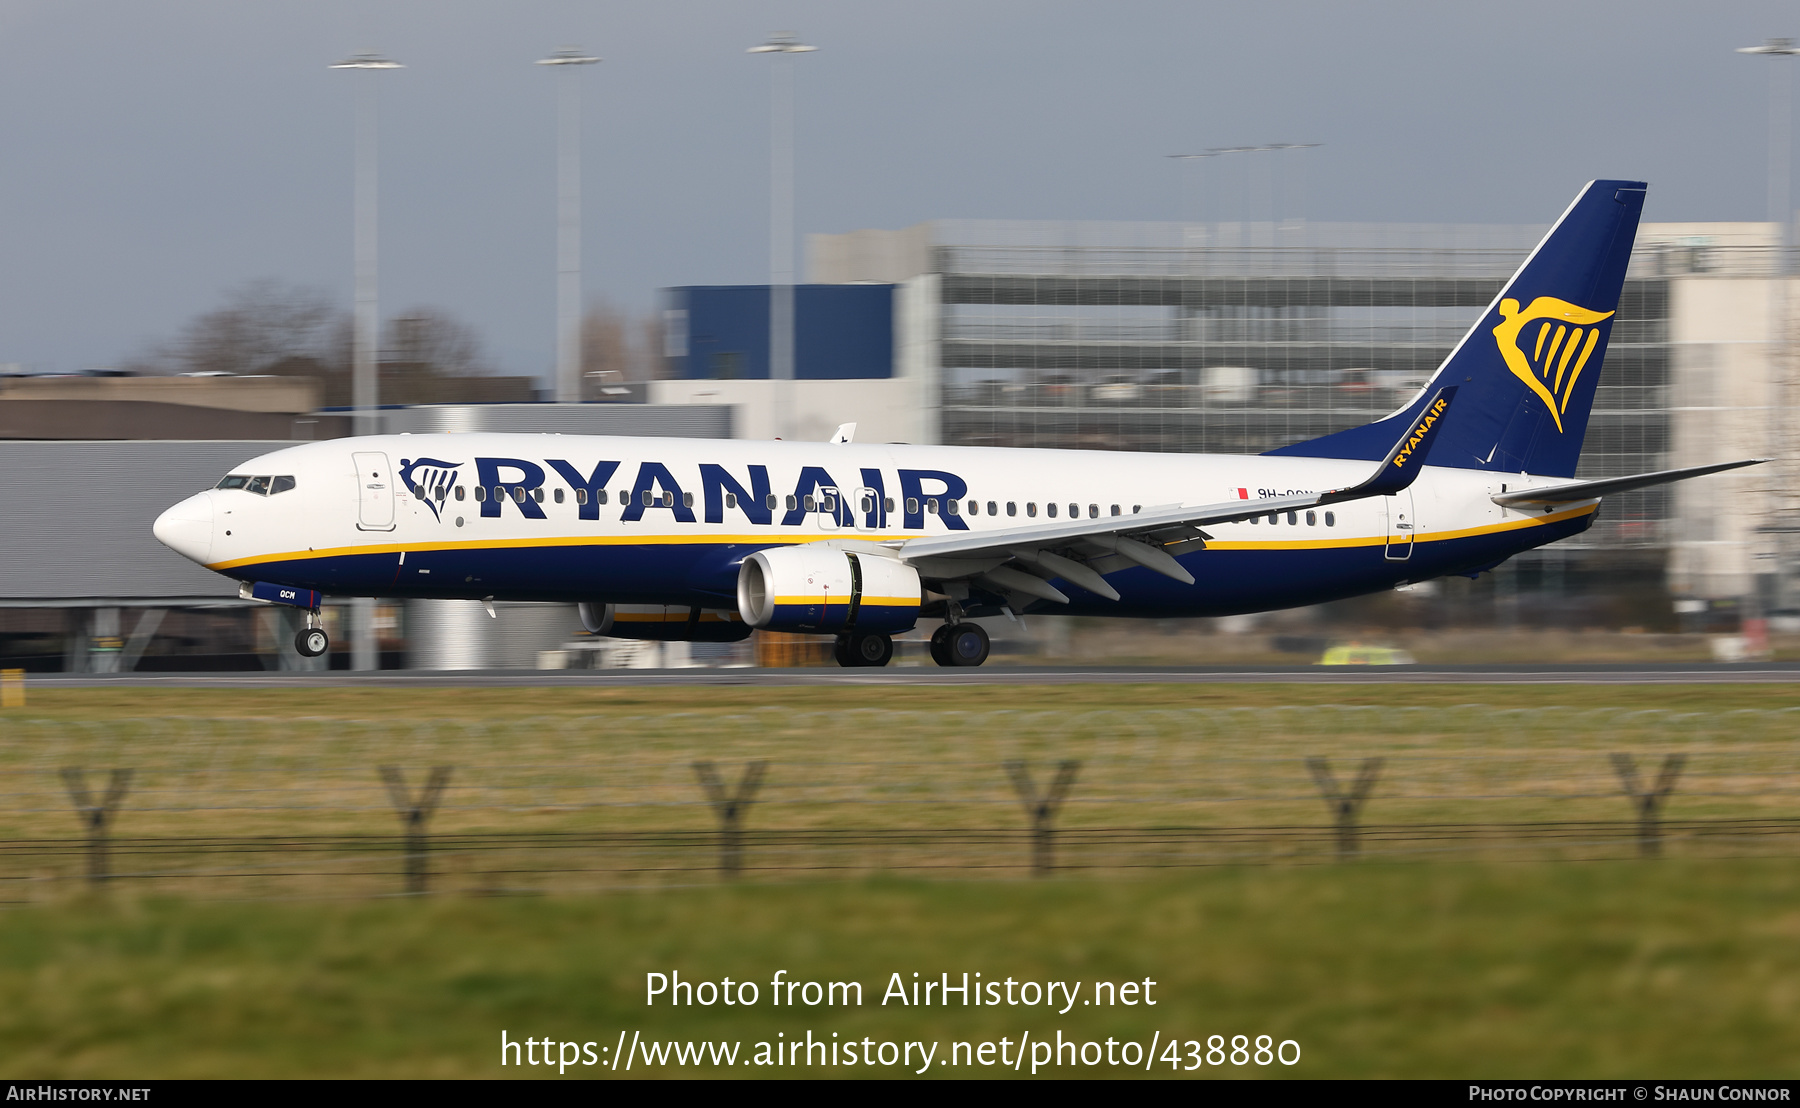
(1403, 463)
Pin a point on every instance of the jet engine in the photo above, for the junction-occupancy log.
(824, 591)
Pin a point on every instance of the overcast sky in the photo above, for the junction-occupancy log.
(154, 155)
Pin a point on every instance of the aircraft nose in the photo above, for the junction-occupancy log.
(187, 528)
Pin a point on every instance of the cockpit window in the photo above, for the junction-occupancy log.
(280, 484)
(258, 485)
(235, 481)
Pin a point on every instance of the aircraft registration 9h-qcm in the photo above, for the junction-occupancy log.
(705, 540)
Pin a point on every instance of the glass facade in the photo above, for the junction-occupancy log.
(1239, 338)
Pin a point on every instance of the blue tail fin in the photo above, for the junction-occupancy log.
(1528, 368)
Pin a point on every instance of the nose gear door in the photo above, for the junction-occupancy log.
(374, 491)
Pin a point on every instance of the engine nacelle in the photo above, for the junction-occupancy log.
(663, 622)
(827, 592)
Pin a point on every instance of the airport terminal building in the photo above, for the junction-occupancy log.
(1244, 337)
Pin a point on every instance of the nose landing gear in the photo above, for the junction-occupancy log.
(312, 640)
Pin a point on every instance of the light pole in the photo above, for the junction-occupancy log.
(365, 388)
(364, 385)
(1780, 214)
(781, 44)
(568, 224)
(1780, 99)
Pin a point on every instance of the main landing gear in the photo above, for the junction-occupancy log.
(312, 640)
(959, 644)
(854, 651)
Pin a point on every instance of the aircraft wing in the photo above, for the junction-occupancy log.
(1082, 551)
(1590, 490)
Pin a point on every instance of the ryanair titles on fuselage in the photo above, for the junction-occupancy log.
(656, 488)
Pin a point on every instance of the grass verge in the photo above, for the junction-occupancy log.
(1672, 969)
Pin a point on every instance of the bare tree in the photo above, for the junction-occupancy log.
(616, 347)
(435, 342)
(262, 325)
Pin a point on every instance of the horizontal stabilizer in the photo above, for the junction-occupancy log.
(1590, 490)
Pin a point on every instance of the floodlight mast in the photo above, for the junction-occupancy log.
(365, 388)
(1780, 107)
(780, 46)
(568, 222)
(364, 384)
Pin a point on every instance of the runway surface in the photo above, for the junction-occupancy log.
(1685, 673)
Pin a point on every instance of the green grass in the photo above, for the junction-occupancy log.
(1669, 969)
(1684, 967)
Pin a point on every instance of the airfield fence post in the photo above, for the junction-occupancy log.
(413, 815)
(1345, 804)
(96, 815)
(1042, 809)
(730, 807)
(1649, 802)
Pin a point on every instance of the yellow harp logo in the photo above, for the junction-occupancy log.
(1565, 334)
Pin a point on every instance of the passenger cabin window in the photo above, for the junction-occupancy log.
(1293, 519)
(950, 507)
(1093, 511)
(687, 500)
(559, 496)
(731, 500)
(537, 494)
(887, 503)
(1050, 510)
(459, 492)
(912, 505)
(480, 494)
(931, 505)
(993, 508)
(769, 502)
(1312, 519)
(1074, 511)
(1115, 509)
(518, 494)
(599, 496)
(1331, 519)
(581, 495)
(1031, 508)
(867, 504)
(668, 500)
(235, 481)
(1012, 507)
(812, 505)
(974, 507)
(646, 498)
(792, 503)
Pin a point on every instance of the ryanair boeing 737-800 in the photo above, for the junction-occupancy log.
(705, 540)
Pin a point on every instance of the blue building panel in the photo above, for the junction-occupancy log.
(841, 332)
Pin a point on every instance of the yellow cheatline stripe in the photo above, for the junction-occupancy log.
(890, 601)
(1423, 536)
(764, 540)
(555, 540)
